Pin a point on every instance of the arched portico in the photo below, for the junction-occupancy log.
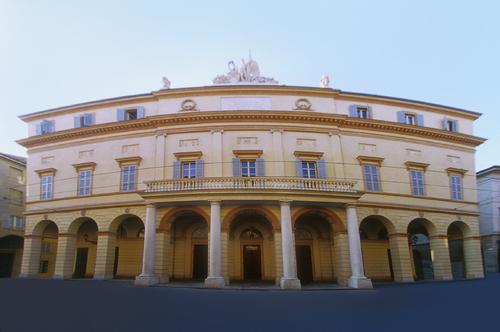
(129, 234)
(86, 233)
(376, 248)
(419, 233)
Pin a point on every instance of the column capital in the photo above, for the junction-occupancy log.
(215, 202)
(213, 131)
(335, 132)
(351, 206)
(150, 205)
(277, 130)
(285, 202)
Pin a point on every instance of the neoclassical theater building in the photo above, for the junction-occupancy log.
(247, 180)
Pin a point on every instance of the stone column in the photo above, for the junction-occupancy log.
(440, 254)
(472, 258)
(289, 279)
(215, 278)
(358, 278)
(105, 255)
(401, 259)
(342, 269)
(31, 256)
(278, 158)
(162, 255)
(147, 277)
(65, 257)
(217, 165)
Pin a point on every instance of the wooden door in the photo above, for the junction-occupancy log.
(81, 262)
(251, 263)
(200, 261)
(304, 263)
(6, 264)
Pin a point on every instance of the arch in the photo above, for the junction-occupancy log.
(169, 217)
(335, 222)
(128, 247)
(420, 231)
(113, 226)
(420, 224)
(375, 246)
(49, 234)
(457, 231)
(389, 225)
(11, 248)
(267, 214)
(42, 225)
(78, 222)
(461, 226)
(86, 230)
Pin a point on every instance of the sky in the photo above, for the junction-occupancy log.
(57, 53)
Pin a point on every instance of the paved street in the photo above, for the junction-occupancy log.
(118, 306)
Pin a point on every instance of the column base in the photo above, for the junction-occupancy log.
(143, 280)
(359, 282)
(290, 283)
(215, 282)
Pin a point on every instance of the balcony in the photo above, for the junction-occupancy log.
(251, 183)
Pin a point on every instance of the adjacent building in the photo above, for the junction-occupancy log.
(12, 199)
(248, 180)
(488, 186)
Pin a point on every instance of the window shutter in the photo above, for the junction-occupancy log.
(39, 128)
(200, 168)
(321, 168)
(120, 114)
(401, 116)
(353, 111)
(140, 112)
(420, 120)
(298, 167)
(236, 167)
(444, 123)
(260, 169)
(177, 169)
(455, 125)
(77, 122)
(369, 111)
(88, 119)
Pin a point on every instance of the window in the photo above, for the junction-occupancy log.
(189, 169)
(84, 182)
(309, 169)
(47, 184)
(44, 267)
(131, 114)
(410, 119)
(16, 196)
(45, 127)
(17, 175)
(248, 167)
(84, 120)
(456, 187)
(371, 176)
(417, 182)
(450, 125)
(129, 173)
(362, 112)
(16, 222)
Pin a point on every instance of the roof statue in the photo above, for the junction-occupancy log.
(324, 81)
(166, 82)
(247, 73)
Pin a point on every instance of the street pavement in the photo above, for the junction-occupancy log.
(88, 305)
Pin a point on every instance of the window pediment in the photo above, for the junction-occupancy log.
(308, 155)
(370, 160)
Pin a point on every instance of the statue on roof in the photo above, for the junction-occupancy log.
(247, 73)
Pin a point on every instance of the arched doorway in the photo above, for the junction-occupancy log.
(49, 235)
(314, 248)
(456, 248)
(189, 246)
(86, 248)
(420, 250)
(251, 248)
(129, 246)
(376, 249)
(11, 249)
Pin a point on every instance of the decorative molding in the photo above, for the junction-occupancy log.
(308, 154)
(188, 105)
(90, 165)
(341, 121)
(370, 160)
(188, 155)
(43, 171)
(415, 164)
(132, 160)
(453, 170)
(302, 104)
(248, 153)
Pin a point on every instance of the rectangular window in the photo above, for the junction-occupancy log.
(188, 169)
(248, 168)
(84, 182)
(131, 114)
(417, 182)
(16, 222)
(372, 181)
(129, 173)
(17, 175)
(362, 112)
(47, 184)
(410, 119)
(16, 196)
(309, 169)
(44, 267)
(456, 187)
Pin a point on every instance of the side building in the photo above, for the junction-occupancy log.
(252, 182)
(488, 185)
(12, 198)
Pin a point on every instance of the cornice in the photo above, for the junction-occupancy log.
(336, 120)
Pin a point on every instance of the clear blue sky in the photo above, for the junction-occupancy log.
(55, 53)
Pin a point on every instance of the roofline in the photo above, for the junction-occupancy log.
(491, 169)
(155, 95)
(7, 157)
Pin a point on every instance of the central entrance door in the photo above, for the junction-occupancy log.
(81, 262)
(200, 261)
(251, 262)
(304, 264)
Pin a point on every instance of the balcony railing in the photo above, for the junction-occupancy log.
(244, 183)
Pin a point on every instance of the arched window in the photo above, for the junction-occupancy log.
(303, 234)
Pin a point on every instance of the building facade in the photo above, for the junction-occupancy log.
(12, 198)
(252, 182)
(488, 185)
